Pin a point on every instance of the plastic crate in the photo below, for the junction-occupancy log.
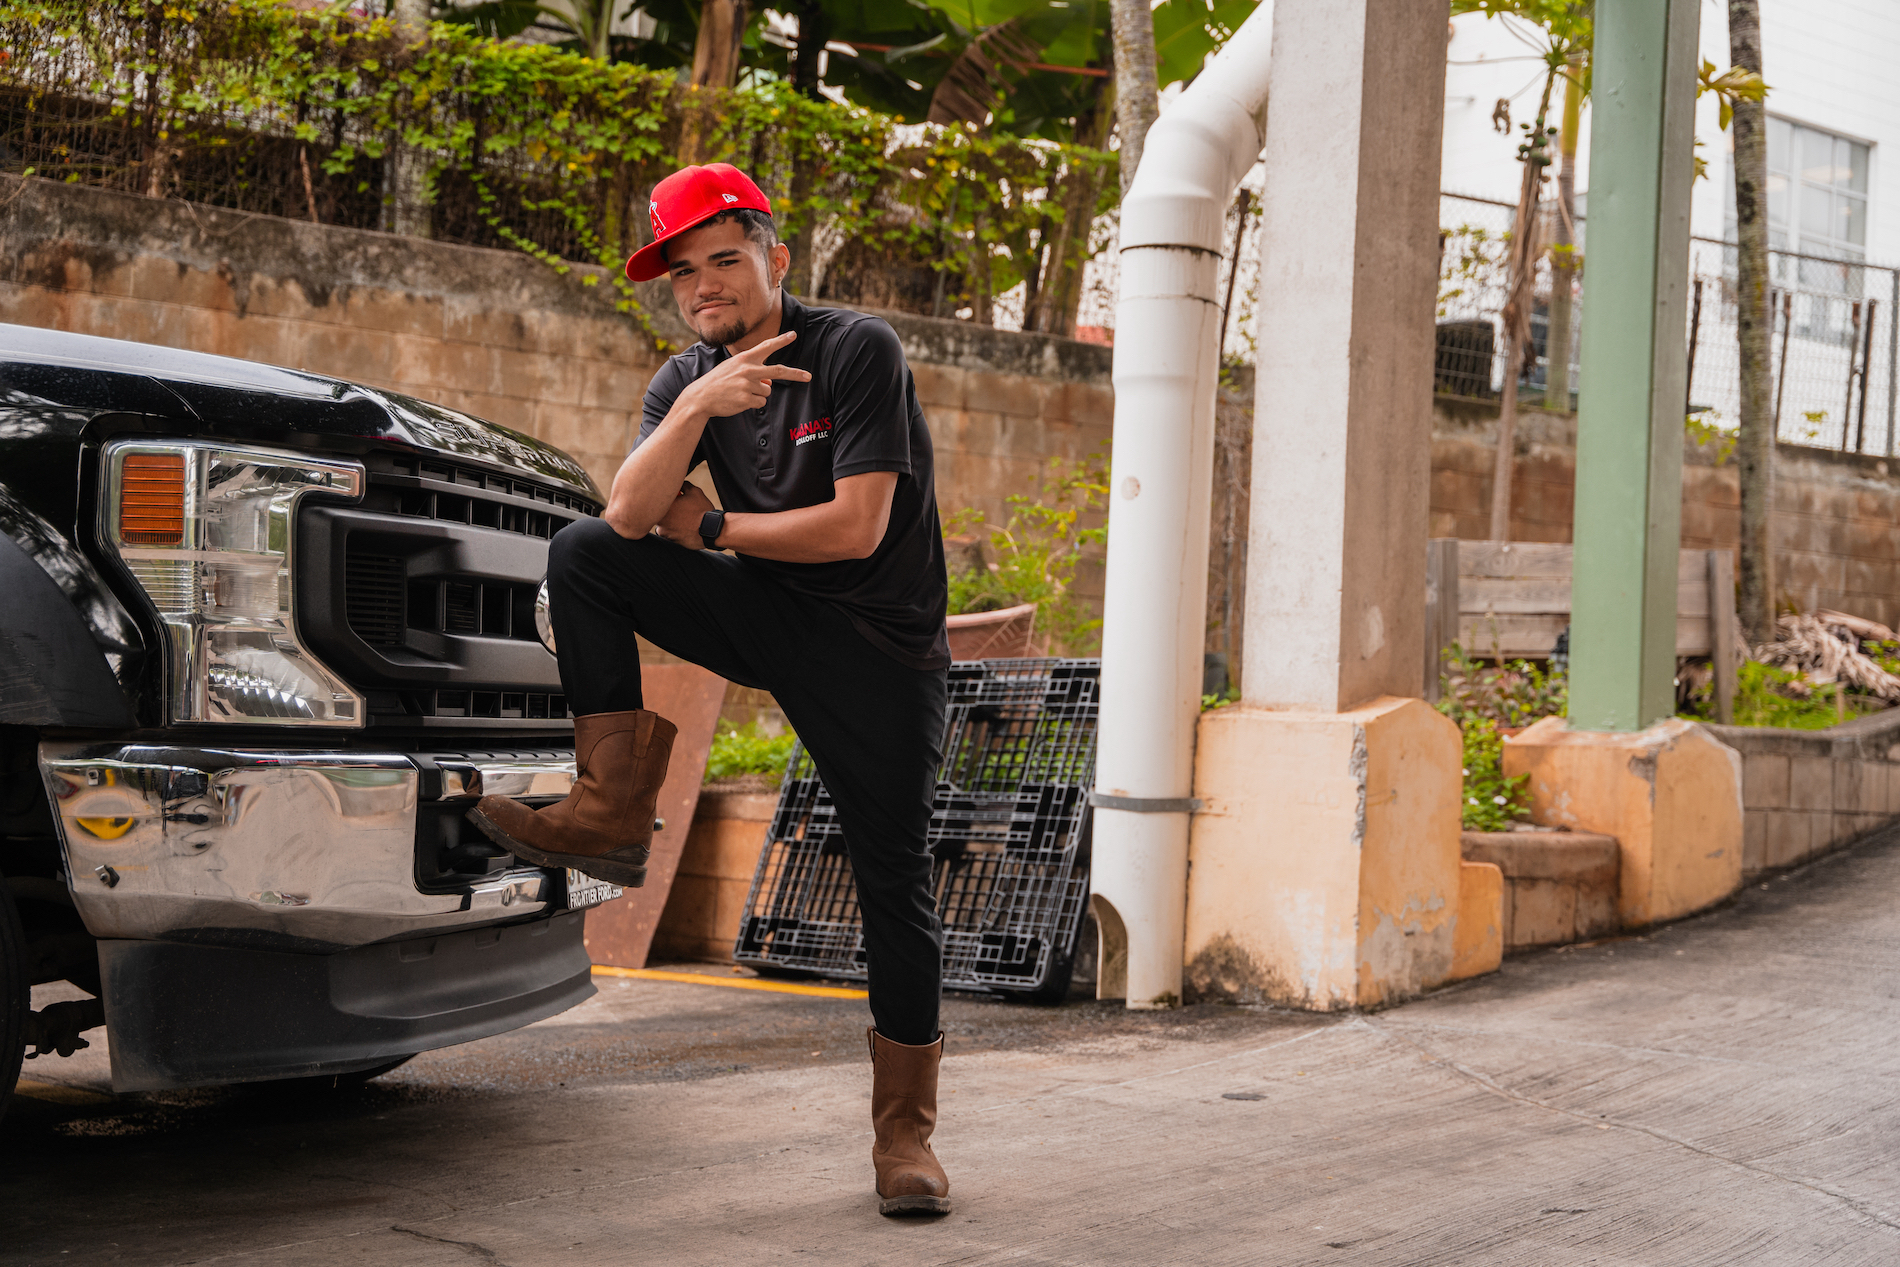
(1009, 830)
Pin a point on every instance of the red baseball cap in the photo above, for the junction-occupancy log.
(687, 199)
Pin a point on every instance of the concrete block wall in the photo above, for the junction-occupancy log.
(1805, 792)
(1464, 438)
(1834, 512)
(1559, 887)
(492, 333)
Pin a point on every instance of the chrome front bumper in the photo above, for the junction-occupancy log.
(298, 849)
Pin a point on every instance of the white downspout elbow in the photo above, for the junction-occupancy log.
(1166, 369)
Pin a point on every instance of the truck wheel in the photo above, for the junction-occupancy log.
(15, 997)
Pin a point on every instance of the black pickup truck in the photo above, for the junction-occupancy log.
(264, 637)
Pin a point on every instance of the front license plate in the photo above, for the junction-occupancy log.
(584, 890)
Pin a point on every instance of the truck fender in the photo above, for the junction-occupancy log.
(52, 672)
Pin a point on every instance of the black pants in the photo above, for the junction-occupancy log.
(873, 726)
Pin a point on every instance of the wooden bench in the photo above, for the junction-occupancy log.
(1512, 599)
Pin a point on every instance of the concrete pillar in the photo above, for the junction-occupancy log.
(1343, 389)
(1325, 866)
(1623, 765)
(1630, 398)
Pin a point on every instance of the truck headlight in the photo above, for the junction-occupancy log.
(205, 530)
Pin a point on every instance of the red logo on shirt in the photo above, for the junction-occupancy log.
(817, 428)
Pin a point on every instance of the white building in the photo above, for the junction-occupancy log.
(1835, 101)
(1834, 188)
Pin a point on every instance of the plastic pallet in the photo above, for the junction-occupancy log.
(1009, 830)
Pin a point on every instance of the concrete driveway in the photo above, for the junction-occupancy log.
(1723, 1091)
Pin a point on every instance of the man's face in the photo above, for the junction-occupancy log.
(724, 284)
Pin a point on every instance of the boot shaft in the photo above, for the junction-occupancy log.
(910, 1179)
(903, 1085)
(620, 761)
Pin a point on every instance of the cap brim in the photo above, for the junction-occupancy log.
(648, 262)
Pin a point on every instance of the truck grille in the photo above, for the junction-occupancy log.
(373, 594)
(382, 603)
(422, 595)
(496, 705)
(464, 495)
(461, 608)
(493, 703)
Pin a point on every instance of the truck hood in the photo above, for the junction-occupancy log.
(223, 392)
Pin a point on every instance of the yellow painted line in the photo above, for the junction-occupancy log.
(739, 983)
(58, 1093)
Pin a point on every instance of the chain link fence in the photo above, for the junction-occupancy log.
(1836, 347)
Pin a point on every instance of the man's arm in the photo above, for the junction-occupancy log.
(849, 526)
(645, 487)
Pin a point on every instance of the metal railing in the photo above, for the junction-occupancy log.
(1836, 347)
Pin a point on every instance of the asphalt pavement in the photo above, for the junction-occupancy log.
(1720, 1091)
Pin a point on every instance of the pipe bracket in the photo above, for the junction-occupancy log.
(1146, 804)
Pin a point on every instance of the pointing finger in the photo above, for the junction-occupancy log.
(771, 345)
(768, 372)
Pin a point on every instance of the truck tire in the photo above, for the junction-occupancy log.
(15, 997)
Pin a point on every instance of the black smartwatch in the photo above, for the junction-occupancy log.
(711, 524)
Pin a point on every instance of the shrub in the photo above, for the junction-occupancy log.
(1482, 696)
(748, 750)
(1766, 695)
(297, 111)
(1036, 552)
(1513, 694)
(1492, 801)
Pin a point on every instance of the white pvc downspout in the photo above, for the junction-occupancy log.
(1166, 368)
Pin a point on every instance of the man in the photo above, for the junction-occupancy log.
(833, 599)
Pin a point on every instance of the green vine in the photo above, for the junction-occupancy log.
(539, 149)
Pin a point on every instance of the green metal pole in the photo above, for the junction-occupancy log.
(1629, 415)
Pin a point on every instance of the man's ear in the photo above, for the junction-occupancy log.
(781, 261)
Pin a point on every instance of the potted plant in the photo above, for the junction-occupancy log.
(1011, 585)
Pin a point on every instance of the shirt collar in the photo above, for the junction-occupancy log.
(792, 316)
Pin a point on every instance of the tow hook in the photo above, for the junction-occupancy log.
(57, 1027)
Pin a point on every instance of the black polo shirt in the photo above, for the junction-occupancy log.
(859, 413)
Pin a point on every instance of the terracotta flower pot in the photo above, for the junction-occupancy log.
(1008, 634)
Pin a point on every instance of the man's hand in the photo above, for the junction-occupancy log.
(680, 523)
(742, 382)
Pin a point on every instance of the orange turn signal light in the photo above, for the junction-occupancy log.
(152, 499)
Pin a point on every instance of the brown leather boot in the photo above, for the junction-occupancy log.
(605, 826)
(903, 1114)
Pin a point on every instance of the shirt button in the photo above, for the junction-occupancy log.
(761, 442)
